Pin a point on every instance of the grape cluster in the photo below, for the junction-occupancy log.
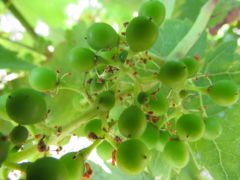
(136, 100)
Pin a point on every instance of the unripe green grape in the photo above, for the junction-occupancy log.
(74, 164)
(132, 156)
(4, 148)
(190, 127)
(150, 136)
(192, 66)
(153, 9)
(183, 94)
(47, 168)
(163, 138)
(224, 93)
(213, 128)
(26, 106)
(142, 97)
(19, 135)
(176, 154)
(94, 126)
(82, 59)
(173, 73)
(42, 79)
(157, 104)
(106, 99)
(104, 150)
(141, 33)
(102, 36)
(132, 122)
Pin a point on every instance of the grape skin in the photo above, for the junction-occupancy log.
(190, 127)
(42, 79)
(141, 33)
(104, 150)
(176, 154)
(153, 9)
(173, 73)
(33, 107)
(102, 36)
(82, 59)
(132, 156)
(47, 168)
(19, 135)
(74, 164)
(132, 122)
(224, 93)
(150, 136)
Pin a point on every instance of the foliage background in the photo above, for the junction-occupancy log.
(63, 23)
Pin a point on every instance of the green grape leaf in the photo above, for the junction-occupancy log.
(222, 156)
(10, 60)
(114, 11)
(199, 47)
(53, 13)
(116, 173)
(76, 35)
(171, 33)
(221, 58)
(157, 166)
(190, 9)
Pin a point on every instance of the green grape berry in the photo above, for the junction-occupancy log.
(150, 136)
(94, 127)
(163, 138)
(157, 104)
(153, 9)
(224, 93)
(104, 150)
(42, 79)
(183, 94)
(74, 164)
(132, 156)
(213, 128)
(173, 73)
(142, 97)
(102, 36)
(141, 33)
(176, 154)
(47, 168)
(82, 59)
(4, 148)
(190, 127)
(19, 135)
(132, 122)
(26, 106)
(192, 66)
(106, 99)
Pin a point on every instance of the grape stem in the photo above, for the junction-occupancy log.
(110, 140)
(13, 166)
(86, 151)
(195, 32)
(29, 48)
(67, 130)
